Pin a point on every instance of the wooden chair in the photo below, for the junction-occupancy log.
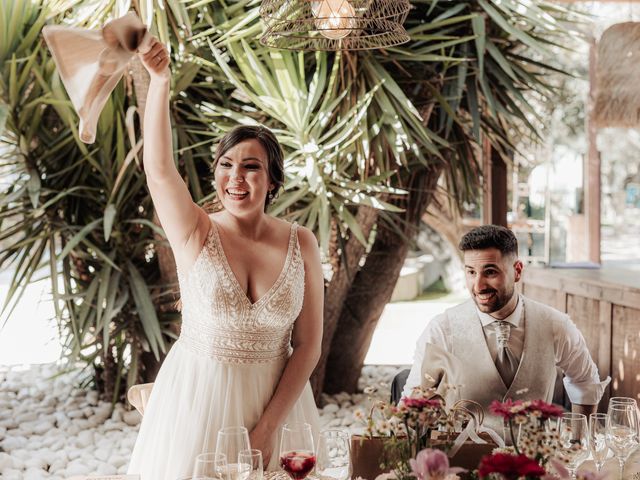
(138, 396)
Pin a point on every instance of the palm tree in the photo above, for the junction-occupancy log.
(471, 69)
(360, 130)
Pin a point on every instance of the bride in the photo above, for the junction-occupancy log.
(252, 295)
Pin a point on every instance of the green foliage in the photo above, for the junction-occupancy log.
(78, 213)
(356, 128)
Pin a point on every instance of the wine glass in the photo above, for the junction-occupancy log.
(251, 460)
(334, 455)
(296, 450)
(231, 441)
(622, 401)
(626, 401)
(598, 438)
(573, 434)
(622, 431)
(210, 466)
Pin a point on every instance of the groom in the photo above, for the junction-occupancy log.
(500, 344)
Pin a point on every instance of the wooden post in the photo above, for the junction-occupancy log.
(494, 205)
(592, 167)
(487, 197)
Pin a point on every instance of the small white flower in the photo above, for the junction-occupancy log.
(383, 427)
(386, 476)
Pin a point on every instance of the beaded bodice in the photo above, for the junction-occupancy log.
(220, 321)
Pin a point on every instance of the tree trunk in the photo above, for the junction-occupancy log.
(367, 298)
(373, 286)
(346, 263)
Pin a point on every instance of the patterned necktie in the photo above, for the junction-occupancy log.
(506, 361)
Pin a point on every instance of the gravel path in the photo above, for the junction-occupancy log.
(51, 429)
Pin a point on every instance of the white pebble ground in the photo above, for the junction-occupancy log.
(50, 429)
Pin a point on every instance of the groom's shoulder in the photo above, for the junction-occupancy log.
(465, 308)
(444, 319)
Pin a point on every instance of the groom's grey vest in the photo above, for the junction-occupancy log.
(478, 377)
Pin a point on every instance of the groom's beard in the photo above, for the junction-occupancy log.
(495, 303)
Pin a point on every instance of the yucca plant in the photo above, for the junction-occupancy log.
(367, 138)
(79, 213)
(472, 69)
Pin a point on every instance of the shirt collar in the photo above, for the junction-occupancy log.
(515, 319)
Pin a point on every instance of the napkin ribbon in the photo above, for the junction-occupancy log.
(92, 62)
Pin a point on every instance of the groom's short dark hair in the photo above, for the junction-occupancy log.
(490, 236)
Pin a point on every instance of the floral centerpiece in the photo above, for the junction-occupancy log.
(406, 429)
(410, 452)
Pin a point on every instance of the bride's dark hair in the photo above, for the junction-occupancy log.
(275, 156)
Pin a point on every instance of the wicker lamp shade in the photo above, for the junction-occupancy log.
(334, 24)
(617, 102)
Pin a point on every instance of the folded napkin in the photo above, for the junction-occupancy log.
(92, 62)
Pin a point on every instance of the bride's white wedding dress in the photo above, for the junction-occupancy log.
(224, 368)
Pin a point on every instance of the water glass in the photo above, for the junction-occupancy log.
(622, 401)
(573, 432)
(598, 438)
(626, 401)
(622, 431)
(334, 455)
(251, 461)
(210, 466)
(231, 441)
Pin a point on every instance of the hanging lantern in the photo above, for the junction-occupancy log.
(617, 102)
(334, 24)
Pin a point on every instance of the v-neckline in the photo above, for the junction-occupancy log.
(234, 279)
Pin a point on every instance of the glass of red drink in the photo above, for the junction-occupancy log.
(297, 452)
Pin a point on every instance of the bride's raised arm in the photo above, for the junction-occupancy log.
(185, 224)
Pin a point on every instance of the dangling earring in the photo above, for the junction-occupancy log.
(270, 196)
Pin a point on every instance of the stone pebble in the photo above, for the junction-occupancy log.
(50, 429)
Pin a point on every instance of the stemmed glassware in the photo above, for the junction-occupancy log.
(622, 430)
(573, 434)
(231, 441)
(627, 401)
(252, 458)
(297, 456)
(334, 455)
(598, 438)
(210, 466)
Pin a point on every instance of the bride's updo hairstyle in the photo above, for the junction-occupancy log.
(275, 156)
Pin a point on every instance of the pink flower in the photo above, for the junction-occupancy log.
(507, 409)
(420, 402)
(511, 467)
(432, 464)
(547, 410)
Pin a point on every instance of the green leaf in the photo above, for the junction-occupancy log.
(146, 311)
(33, 187)
(513, 29)
(77, 238)
(109, 216)
(4, 114)
(351, 221)
(478, 25)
